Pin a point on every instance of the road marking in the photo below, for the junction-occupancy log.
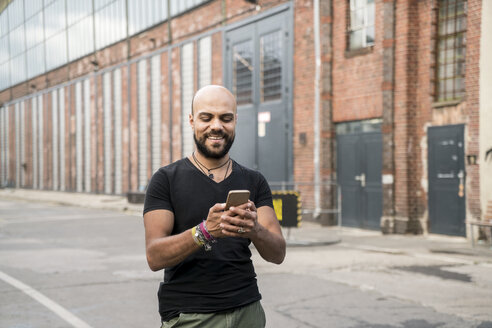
(53, 306)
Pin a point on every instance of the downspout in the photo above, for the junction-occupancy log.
(317, 139)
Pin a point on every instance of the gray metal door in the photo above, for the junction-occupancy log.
(446, 180)
(256, 61)
(359, 165)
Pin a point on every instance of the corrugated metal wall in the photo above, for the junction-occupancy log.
(78, 136)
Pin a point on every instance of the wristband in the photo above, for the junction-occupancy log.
(195, 237)
(202, 237)
(205, 232)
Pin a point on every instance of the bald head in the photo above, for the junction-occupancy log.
(212, 95)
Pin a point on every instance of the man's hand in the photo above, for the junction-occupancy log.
(240, 221)
(214, 219)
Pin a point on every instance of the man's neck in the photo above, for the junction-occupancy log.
(210, 162)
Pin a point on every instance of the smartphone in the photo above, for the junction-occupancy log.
(236, 198)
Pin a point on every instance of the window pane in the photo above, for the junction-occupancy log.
(18, 68)
(450, 27)
(80, 39)
(35, 61)
(369, 35)
(54, 18)
(145, 13)
(34, 30)
(101, 3)
(4, 23)
(242, 72)
(449, 70)
(4, 49)
(34, 7)
(359, 3)
(357, 18)
(187, 90)
(16, 13)
(461, 24)
(110, 24)
(270, 66)
(205, 61)
(4, 75)
(370, 13)
(77, 10)
(56, 47)
(356, 39)
(17, 44)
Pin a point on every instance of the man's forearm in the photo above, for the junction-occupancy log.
(271, 246)
(168, 251)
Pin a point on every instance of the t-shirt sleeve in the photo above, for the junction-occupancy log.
(157, 196)
(264, 194)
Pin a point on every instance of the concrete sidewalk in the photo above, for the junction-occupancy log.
(308, 234)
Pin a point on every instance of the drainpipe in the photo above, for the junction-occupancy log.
(317, 141)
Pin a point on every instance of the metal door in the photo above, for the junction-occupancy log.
(359, 162)
(446, 180)
(256, 62)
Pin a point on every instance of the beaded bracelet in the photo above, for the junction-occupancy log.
(202, 237)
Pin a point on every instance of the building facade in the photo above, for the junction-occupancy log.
(385, 98)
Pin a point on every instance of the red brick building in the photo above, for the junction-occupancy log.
(379, 96)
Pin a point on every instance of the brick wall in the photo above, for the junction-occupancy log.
(357, 77)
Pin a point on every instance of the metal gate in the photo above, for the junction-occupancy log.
(446, 180)
(359, 165)
(257, 57)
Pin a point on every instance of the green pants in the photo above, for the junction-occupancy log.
(249, 316)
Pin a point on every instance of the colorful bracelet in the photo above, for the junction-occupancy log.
(205, 232)
(195, 237)
(202, 237)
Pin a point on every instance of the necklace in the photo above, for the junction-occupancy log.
(227, 169)
(202, 167)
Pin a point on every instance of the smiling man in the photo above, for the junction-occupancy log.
(209, 278)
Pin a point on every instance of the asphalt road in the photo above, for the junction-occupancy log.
(63, 266)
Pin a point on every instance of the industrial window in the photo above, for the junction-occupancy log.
(108, 124)
(361, 26)
(54, 138)
(118, 116)
(155, 105)
(142, 124)
(242, 72)
(451, 48)
(187, 90)
(271, 66)
(204, 61)
(78, 137)
(87, 135)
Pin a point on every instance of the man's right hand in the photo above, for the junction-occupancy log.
(214, 219)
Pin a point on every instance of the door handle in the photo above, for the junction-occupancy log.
(461, 187)
(362, 179)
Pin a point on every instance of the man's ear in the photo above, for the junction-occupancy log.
(191, 121)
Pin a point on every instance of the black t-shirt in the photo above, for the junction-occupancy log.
(217, 280)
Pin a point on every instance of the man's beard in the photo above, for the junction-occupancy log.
(202, 148)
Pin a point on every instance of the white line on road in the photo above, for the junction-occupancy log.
(56, 308)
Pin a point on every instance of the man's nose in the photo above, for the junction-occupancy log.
(216, 125)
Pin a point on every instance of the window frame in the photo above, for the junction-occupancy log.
(456, 93)
(351, 28)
